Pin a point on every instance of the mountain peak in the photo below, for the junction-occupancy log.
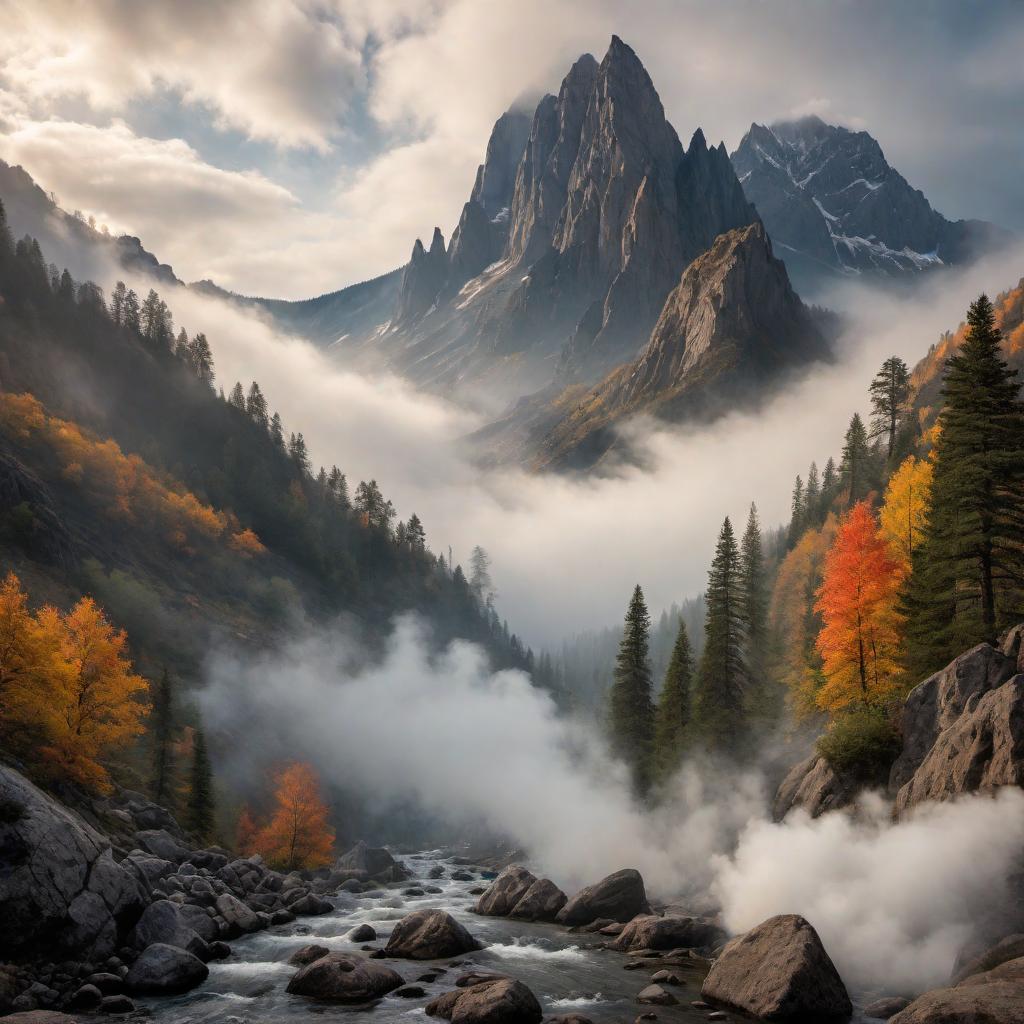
(697, 141)
(437, 243)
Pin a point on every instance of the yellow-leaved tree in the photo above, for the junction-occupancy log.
(904, 511)
(298, 834)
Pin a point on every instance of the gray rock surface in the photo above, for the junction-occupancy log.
(541, 902)
(618, 897)
(341, 978)
(994, 997)
(162, 969)
(883, 1009)
(649, 931)
(813, 786)
(779, 971)
(502, 895)
(429, 935)
(488, 1001)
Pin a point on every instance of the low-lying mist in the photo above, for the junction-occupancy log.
(894, 903)
(566, 552)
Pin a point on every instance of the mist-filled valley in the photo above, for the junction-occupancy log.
(607, 603)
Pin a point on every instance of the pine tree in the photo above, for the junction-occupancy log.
(181, 346)
(415, 533)
(889, 393)
(673, 714)
(631, 706)
(277, 431)
(132, 315)
(754, 594)
(200, 811)
(722, 675)
(256, 406)
(854, 467)
(162, 727)
(117, 299)
(968, 570)
(812, 496)
(237, 397)
(299, 454)
(828, 479)
(201, 359)
(797, 513)
(480, 576)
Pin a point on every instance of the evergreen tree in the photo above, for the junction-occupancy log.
(237, 397)
(968, 570)
(201, 359)
(754, 591)
(673, 713)
(277, 431)
(200, 811)
(339, 486)
(631, 706)
(797, 511)
(889, 393)
(415, 533)
(722, 675)
(132, 315)
(298, 453)
(828, 479)
(181, 346)
(161, 723)
(256, 406)
(480, 576)
(854, 467)
(812, 496)
(117, 299)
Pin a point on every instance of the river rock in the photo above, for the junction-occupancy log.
(657, 995)
(502, 895)
(163, 922)
(495, 1001)
(362, 933)
(995, 997)
(541, 902)
(160, 843)
(371, 862)
(780, 971)
(980, 751)
(61, 890)
(341, 978)
(40, 1017)
(239, 918)
(1009, 948)
(164, 969)
(429, 935)
(618, 897)
(889, 1006)
(307, 955)
(652, 932)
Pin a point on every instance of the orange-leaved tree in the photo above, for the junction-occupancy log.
(860, 637)
(905, 509)
(298, 835)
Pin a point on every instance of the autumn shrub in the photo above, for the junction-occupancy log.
(861, 744)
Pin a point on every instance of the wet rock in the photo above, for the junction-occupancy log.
(657, 995)
(500, 1001)
(307, 955)
(371, 862)
(410, 992)
(362, 933)
(239, 918)
(505, 891)
(310, 904)
(164, 969)
(883, 1009)
(995, 997)
(340, 978)
(108, 984)
(117, 1004)
(462, 876)
(780, 971)
(437, 871)
(649, 932)
(429, 935)
(471, 978)
(541, 902)
(667, 978)
(615, 928)
(1009, 948)
(619, 897)
(164, 922)
(39, 1017)
(218, 951)
(86, 997)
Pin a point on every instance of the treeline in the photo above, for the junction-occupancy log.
(898, 557)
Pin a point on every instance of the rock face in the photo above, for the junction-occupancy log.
(26, 504)
(670, 932)
(1009, 948)
(813, 786)
(429, 935)
(779, 971)
(488, 1001)
(731, 328)
(164, 922)
(618, 897)
(963, 727)
(829, 197)
(60, 888)
(163, 969)
(505, 891)
(341, 978)
(995, 997)
(541, 902)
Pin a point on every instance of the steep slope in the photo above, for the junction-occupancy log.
(832, 203)
(729, 331)
(579, 223)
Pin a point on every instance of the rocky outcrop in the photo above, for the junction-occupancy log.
(341, 978)
(670, 932)
(487, 1000)
(371, 862)
(830, 198)
(502, 895)
(61, 890)
(618, 897)
(1011, 947)
(813, 786)
(29, 515)
(779, 971)
(995, 997)
(541, 902)
(429, 935)
(423, 279)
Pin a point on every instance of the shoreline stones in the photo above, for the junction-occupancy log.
(429, 935)
(618, 897)
(483, 1000)
(340, 978)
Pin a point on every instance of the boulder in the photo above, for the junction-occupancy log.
(619, 897)
(979, 751)
(889, 1006)
(200, 922)
(502, 895)
(813, 786)
(779, 971)
(429, 935)
(40, 1017)
(240, 919)
(117, 1004)
(995, 997)
(371, 862)
(160, 843)
(1009, 948)
(489, 1001)
(935, 704)
(61, 890)
(307, 955)
(541, 902)
(652, 932)
(163, 922)
(163, 969)
(362, 933)
(657, 995)
(341, 978)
